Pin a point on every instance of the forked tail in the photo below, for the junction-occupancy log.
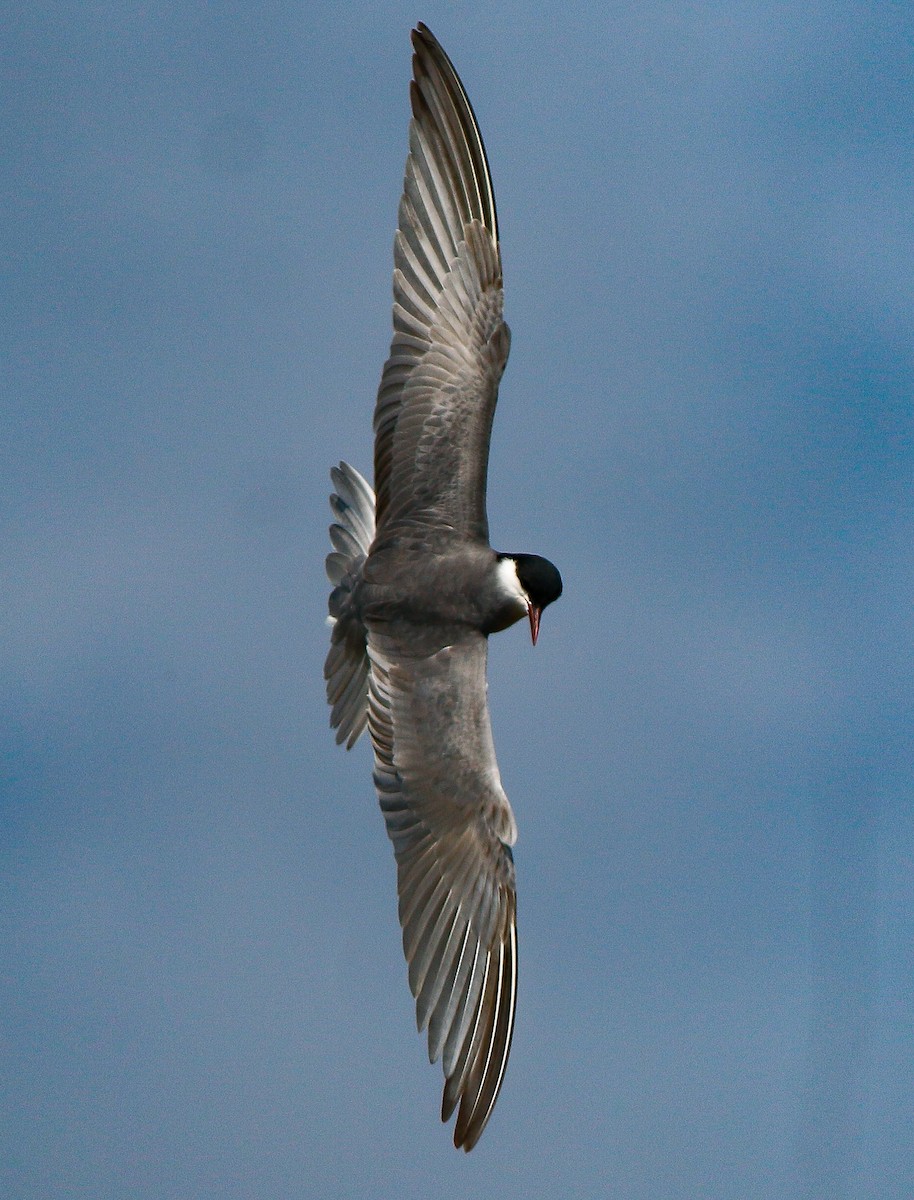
(346, 668)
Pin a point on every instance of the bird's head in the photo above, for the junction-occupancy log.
(533, 581)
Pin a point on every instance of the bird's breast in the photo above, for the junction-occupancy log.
(445, 586)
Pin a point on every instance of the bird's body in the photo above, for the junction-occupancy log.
(418, 590)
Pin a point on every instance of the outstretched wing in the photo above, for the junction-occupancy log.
(437, 397)
(452, 828)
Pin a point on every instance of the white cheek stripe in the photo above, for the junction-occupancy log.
(509, 583)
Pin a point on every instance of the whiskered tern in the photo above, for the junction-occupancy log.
(418, 589)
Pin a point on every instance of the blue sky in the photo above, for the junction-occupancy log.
(706, 216)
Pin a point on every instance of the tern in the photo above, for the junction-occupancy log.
(418, 589)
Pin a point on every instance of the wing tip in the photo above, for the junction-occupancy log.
(430, 58)
(482, 1075)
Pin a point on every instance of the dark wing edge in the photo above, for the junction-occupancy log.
(430, 60)
(452, 827)
(439, 387)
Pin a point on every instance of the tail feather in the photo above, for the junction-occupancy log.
(346, 668)
(353, 506)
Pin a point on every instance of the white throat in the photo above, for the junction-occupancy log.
(508, 583)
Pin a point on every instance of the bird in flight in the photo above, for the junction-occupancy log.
(418, 589)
